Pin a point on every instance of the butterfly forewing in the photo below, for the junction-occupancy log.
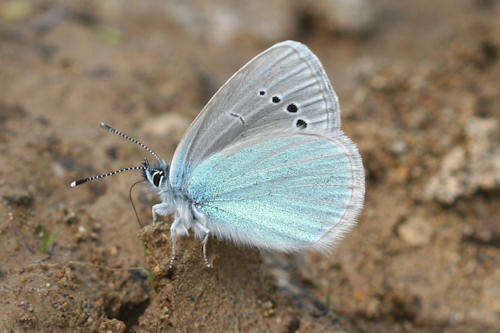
(284, 89)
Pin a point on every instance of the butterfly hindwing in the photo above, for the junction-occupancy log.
(282, 192)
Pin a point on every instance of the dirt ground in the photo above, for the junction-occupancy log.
(418, 84)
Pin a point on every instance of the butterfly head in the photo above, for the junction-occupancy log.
(156, 174)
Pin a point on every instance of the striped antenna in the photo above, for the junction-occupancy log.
(137, 142)
(88, 179)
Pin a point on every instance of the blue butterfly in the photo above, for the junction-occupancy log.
(265, 163)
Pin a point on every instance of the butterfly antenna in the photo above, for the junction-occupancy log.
(88, 179)
(137, 142)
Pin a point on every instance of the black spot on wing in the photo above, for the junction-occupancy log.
(292, 108)
(301, 124)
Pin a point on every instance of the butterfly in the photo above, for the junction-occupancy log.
(265, 163)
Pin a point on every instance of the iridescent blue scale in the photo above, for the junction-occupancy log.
(274, 192)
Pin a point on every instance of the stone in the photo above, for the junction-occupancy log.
(484, 149)
(416, 231)
(447, 185)
(465, 170)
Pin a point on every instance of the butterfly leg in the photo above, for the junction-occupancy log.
(200, 224)
(173, 237)
(204, 242)
(161, 209)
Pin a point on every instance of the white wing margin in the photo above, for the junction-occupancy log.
(283, 89)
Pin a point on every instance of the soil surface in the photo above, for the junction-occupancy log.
(418, 84)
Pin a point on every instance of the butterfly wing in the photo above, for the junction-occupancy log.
(284, 89)
(285, 192)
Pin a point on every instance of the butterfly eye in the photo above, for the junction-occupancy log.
(157, 177)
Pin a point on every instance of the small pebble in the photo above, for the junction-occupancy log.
(416, 231)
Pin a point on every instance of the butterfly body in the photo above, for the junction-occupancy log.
(265, 163)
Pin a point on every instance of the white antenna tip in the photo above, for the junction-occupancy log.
(73, 184)
(103, 124)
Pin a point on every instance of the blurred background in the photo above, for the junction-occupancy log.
(418, 83)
